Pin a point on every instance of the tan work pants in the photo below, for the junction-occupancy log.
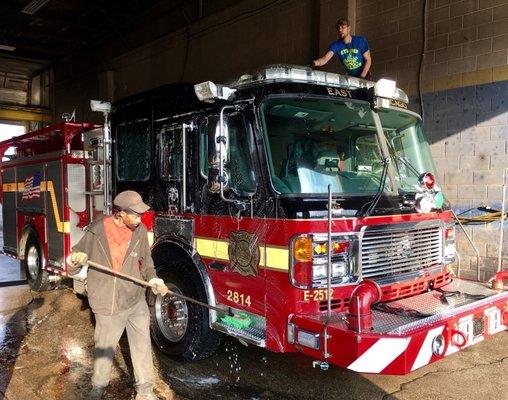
(108, 330)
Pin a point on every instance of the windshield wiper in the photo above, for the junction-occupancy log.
(377, 196)
(408, 164)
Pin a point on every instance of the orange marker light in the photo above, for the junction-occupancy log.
(302, 249)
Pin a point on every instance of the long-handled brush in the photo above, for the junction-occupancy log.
(222, 309)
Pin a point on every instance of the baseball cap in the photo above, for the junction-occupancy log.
(129, 199)
(342, 22)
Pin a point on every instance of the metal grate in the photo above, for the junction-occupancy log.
(389, 252)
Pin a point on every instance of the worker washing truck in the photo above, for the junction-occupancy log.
(301, 207)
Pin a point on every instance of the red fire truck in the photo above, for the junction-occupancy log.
(303, 202)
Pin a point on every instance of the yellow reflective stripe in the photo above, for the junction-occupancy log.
(61, 226)
(9, 187)
(210, 248)
(276, 257)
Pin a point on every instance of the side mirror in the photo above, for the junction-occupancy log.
(218, 156)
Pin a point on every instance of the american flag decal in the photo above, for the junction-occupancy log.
(32, 187)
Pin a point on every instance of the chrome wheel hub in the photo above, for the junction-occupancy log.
(172, 315)
(32, 262)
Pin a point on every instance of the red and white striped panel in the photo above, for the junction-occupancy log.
(385, 351)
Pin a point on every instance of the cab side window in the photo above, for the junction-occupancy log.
(241, 151)
(239, 166)
(133, 151)
(170, 153)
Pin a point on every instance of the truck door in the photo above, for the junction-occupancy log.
(228, 237)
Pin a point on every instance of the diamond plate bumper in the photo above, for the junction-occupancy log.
(403, 334)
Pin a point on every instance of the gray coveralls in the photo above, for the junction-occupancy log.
(119, 305)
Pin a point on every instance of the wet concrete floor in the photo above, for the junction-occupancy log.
(9, 267)
(46, 342)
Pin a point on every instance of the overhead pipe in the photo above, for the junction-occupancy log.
(364, 296)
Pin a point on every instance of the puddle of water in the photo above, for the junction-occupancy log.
(234, 363)
(198, 381)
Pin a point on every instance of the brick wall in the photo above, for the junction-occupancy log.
(465, 96)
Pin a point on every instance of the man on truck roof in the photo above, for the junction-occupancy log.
(353, 52)
(121, 242)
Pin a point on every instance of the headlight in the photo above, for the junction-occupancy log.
(310, 260)
(438, 345)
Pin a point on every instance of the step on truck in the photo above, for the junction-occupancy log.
(303, 203)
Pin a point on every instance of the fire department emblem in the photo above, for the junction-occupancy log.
(244, 253)
(406, 249)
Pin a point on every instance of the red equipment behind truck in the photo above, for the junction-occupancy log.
(304, 202)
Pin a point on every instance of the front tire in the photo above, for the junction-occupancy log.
(37, 278)
(181, 328)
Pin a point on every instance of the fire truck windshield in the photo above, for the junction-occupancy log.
(315, 142)
(404, 133)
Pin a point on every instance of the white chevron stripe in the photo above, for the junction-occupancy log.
(380, 355)
(425, 353)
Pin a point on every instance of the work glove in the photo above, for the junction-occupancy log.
(82, 275)
(160, 286)
(78, 258)
(313, 65)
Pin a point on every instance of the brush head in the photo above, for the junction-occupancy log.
(238, 321)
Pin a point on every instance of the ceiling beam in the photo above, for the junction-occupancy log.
(34, 114)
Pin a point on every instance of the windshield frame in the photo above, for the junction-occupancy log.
(383, 145)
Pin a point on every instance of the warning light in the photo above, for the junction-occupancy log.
(340, 247)
(427, 180)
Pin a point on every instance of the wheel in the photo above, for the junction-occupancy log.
(178, 327)
(37, 278)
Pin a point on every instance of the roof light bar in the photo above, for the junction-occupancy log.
(34, 6)
(296, 73)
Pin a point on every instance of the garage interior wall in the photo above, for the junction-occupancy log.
(465, 97)
(463, 78)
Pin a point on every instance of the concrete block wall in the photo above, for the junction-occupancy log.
(464, 84)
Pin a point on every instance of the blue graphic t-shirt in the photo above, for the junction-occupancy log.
(351, 54)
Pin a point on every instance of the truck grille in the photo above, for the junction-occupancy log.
(391, 252)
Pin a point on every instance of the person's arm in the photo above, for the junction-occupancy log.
(147, 267)
(364, 46)
(323, 60)
(366, 66)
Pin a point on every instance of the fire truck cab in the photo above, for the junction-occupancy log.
(304, 203)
